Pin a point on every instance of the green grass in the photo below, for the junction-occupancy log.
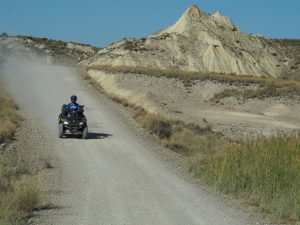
(264, 173)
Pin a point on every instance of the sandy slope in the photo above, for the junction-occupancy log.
(191, 102)
(114, 179)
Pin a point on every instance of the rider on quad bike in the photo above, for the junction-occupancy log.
(72, 119)
(73, 104)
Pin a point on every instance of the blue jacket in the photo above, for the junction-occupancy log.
(73, 106)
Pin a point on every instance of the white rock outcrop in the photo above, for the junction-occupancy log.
(198, 42)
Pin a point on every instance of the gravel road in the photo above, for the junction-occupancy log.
(113, 178)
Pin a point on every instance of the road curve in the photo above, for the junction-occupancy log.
(113, 180)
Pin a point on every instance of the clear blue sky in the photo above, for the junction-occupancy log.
(104, 21)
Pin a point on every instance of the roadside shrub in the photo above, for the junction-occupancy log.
(7, 129)
(25, 196)
(178, 136)
(9, 118)
(19, 202)
(186, 141)
(154, 123)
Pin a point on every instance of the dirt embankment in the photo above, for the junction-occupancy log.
(202, 102)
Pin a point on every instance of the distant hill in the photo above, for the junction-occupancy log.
(203, 43)
(53, 51)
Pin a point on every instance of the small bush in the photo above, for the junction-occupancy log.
(154, 123)
(9, 117)
(25, 196)
(178, 136)
(19, 202)
(18, 197)
(188, 142)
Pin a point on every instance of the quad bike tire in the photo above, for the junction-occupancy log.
(60, 130)
(85, 133)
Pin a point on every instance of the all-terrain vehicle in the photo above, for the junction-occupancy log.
(72, 122)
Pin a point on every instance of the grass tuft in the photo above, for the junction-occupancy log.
(19, 195)
(155, 123)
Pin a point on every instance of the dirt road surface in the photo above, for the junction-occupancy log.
(112, 178)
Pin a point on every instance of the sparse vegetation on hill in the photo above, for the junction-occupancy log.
(268, 87)
(189, 75)
(265, 90)
(54, 51)
(291, 48)
(287, 42)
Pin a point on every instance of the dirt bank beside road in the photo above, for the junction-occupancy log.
(193, 101)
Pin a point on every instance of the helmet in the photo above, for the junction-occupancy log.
(73, 98)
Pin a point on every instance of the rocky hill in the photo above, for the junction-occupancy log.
(203, 43)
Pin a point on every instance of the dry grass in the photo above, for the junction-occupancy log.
(18, 193)
(192, 143)
(268, 86)
(190, 75)
(184, 138)
(263, 172)
(292, 42)
(9, 116)
(157, 124)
